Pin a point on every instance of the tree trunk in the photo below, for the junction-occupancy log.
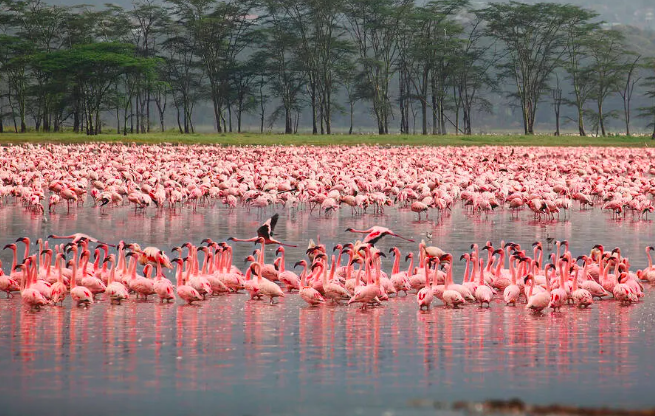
(313, 99)
(601, 119)
(352, 111)
(581, 122)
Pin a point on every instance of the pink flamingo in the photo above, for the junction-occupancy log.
(116, 291)
(163, 286)
(376, 233)
(30, 296)
(367, 294)
(512, 292)
(539, 301)
(289, 278)
(581, 297)
(308, 293)
(425, 296)
(59, 289)
(185, 292)
(452, 295)
(483, 293)
(265, 231)
(79, 294)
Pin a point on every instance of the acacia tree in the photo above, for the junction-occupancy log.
(285, 74)
(648, 112)
(374, 26)
(628, 83)
(607, 71)
(95, 68)
(535, 43)
(182, 73)
(578, 34)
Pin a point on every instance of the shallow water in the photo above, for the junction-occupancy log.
(233, 356)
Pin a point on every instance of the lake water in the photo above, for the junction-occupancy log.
(232, 356)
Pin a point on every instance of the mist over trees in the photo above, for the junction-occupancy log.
(325, 66)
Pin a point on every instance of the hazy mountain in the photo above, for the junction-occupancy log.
(639, 13)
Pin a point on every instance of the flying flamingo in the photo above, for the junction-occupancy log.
(265, 231)
(77, 237)
(376, 233)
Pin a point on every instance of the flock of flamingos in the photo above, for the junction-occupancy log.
(543, 181)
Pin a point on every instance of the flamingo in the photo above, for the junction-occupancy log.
(367, 294)
(79, 294)
(581, 297)
(376, 233)
(163, 286)
(539, 301)
(512, 292)
(483, 293)
(187, 293)
(454, 294)
(332, 291)
(290, 279)
(30, 296)
(59, 289)
(424, 296)
(308, 293)
(266, 287)
(265, 231)
(116, 291)
(250, 284)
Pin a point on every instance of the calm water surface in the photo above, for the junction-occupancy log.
(237, 357)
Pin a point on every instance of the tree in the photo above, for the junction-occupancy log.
(374, 25)
(182, 72)
(285, 73)
(95, 68)
(630, 80)
(607, 71)
(220, 30)
(648, 112)
(535, 43)
(578, 33)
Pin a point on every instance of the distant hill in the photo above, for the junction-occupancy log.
(638, 13)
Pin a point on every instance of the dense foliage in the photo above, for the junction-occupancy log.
(434, 64)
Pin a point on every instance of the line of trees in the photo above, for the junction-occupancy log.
(436, 65)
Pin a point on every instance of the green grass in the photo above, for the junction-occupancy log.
(304, 139)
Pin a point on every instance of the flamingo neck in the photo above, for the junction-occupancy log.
(501, 262)
(411, 266)
(282, 268)
(111, 274)
(396, 263)
(512, 271)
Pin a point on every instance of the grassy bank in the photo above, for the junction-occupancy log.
(281, 139)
